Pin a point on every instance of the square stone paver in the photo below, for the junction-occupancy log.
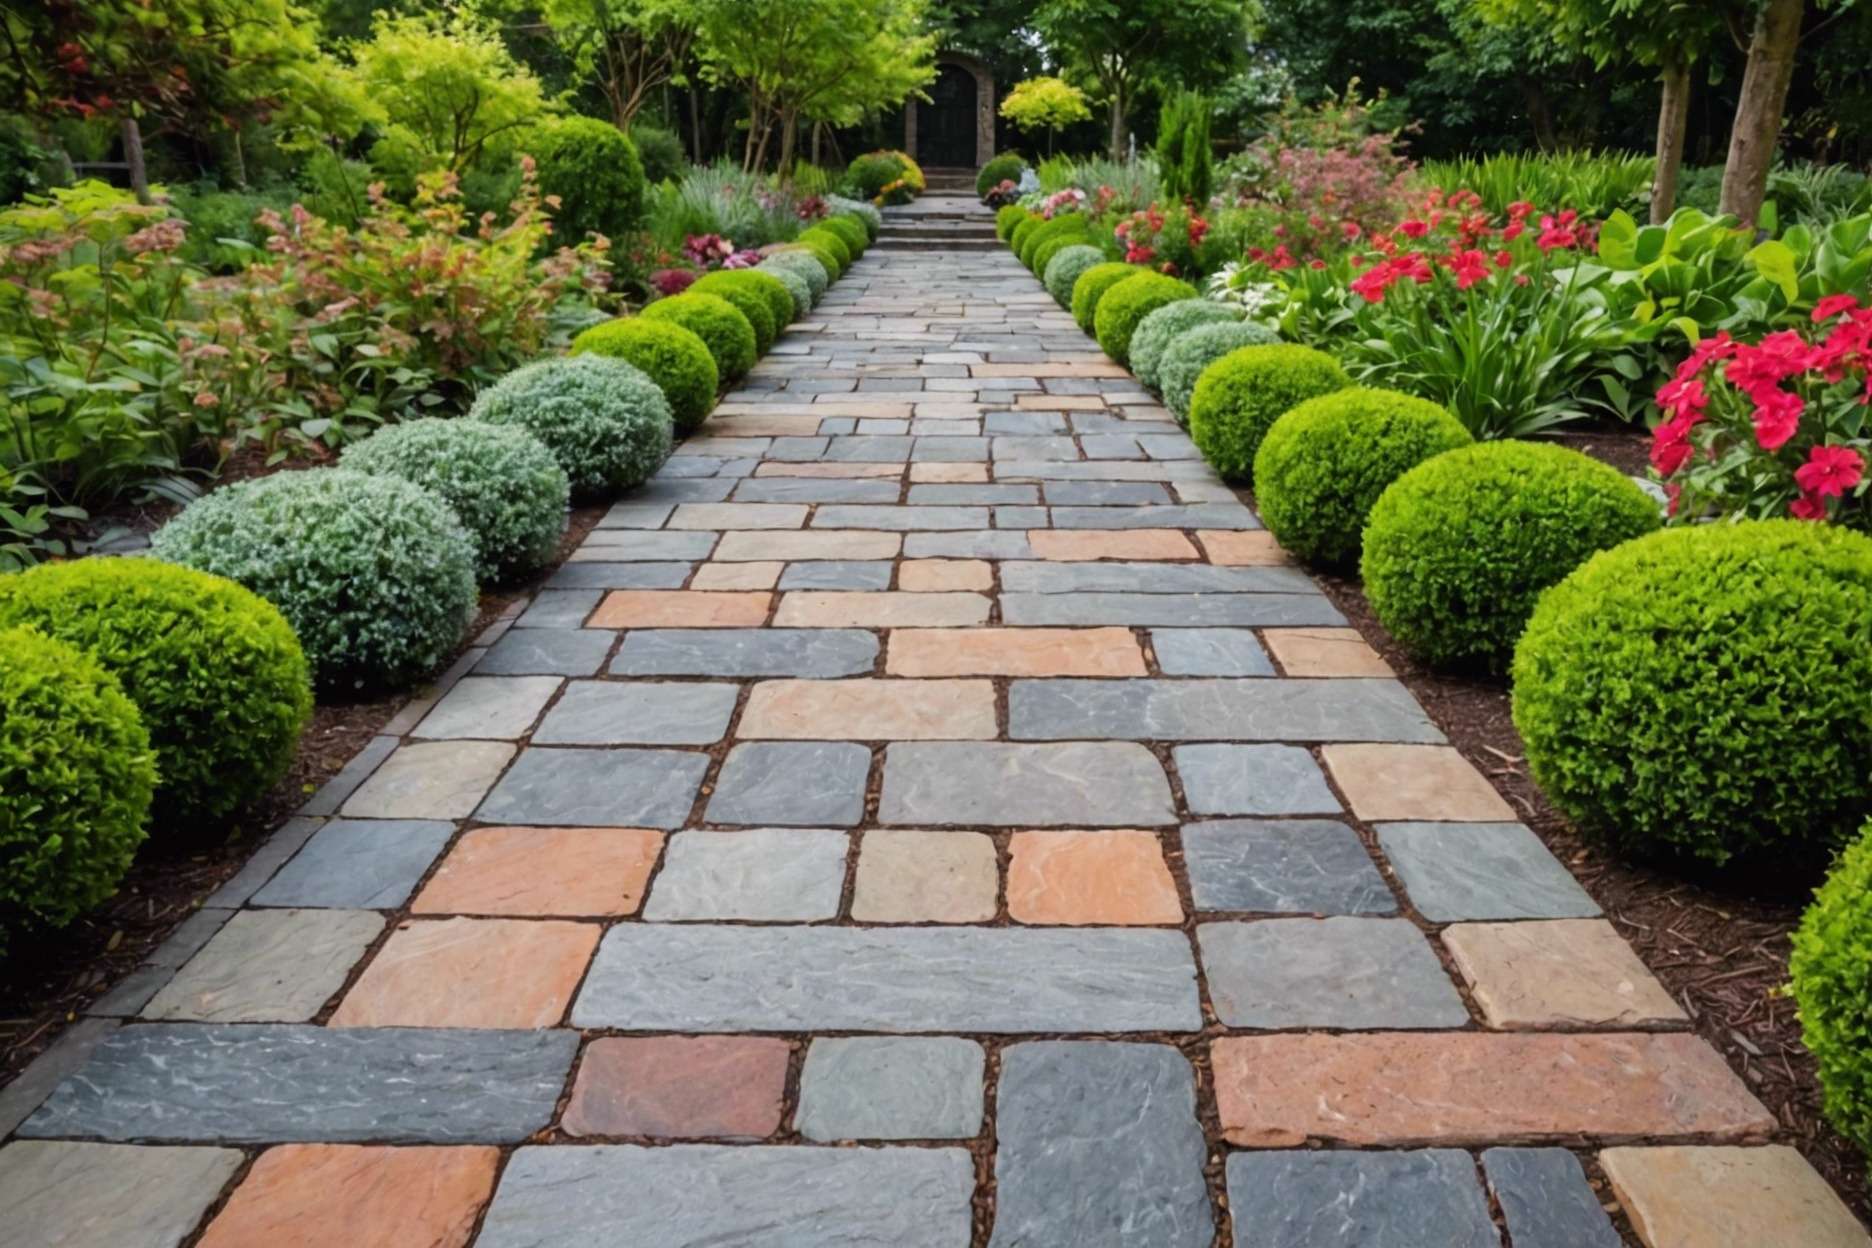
(925, 877)
(268, 966)
(792, 784)
(1076, 545)
(70, 1195)
(597, 788)
(1358, 1200)
(1253, 780)
(1209, 652)
(1562, 973)
(1294, 866)
(869, 710)
(357, 1196)
(681, 608)
(680, 1087)
(1157, 610)
(627, 712)
(1324, 652)
(431, 780)
(926, 576)
(1241, 549)
(358, 864)
(1113, 876)
(891, 1088)
(1335, 972)
(1388, 781)
(547, 651)
(733, 652)
(499, 707)
(1014, 652)
(543, 871)
(1546, 1200)
(994, 784)
(471, 973)
(1457, 871)
(884, 609)
(1685, 1196)
(772, 875)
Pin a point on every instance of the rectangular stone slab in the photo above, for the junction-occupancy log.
(728, 978)
(276, 1083)
(1044, 577)
(712, 1196)
(738, 652)
(997, 784)
(1216, 710)
(1172, 610)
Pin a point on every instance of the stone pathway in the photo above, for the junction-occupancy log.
(936, 757)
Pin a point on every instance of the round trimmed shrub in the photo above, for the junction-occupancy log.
(1066, 267)
(605, 422)
(1007, 217)
(722, 326)
(1832, 948)
(661, 152)
(830, 241)
(374, 574)
(867, 214)
(851, 232)
(1017, 237)
(1324, 463)
(76, 775)
(830, 255)
(750, 303)
(1191, 352)
(505, 486)
(1091, 287)
(1706, 691)
(1460, 548)
(768, 287)
(1003, 168)
(808, 266)
(1072, 226)
(1240, 396)
(1044, 253)
(1129, 302)
(214, 670)
(676, 359)
(593, 168)
(793, 281)
(1155, 332)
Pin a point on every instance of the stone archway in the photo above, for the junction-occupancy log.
(937, 131)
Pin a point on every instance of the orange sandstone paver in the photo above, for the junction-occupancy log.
(471, 973)
(869, 710)
(680, 608)
(1113, 877)
(939, 575)
(1713, 1197)
(925, 877)
(837, 608)
(1248, 548)
(1423, 782)
(1323, 652)
(1558, 973)
(556, 871)
(357, 1196)
(1014, 652)
(1084, 545)
(680, 1087)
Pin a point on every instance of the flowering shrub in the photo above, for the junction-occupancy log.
(1002, 193)
(1167, 239)
(672, 281)
(707, 250)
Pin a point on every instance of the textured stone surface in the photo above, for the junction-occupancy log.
(555, 651)
(58, 1195)
(543, 871)
(358, 864)
(651, 546)
(65, 1055)
(1692, 1197)
(1209, 652)
(430, 780)
(925, 877)
(1236, 549)
(1335, 972)
(1546, 1200)
(357, 1196)
(591, 569)
(681, 608)
(1116, 877)
(1476, 1088)
(898, 519)
(1359, 1200)
(772, 875)
(736, 576)
(1238, 710)
(1563, 973)
(891, 1088)
(490, 706)
(1150, 578)
(887, 609)
(597, 788)
(745, 652)
(936, 576)
(1390, 781)
(628, 712)
(994, 784)
(649, 977)
(988, 544)
(837, 574)
(714, 1195)
(1456, 871)
(869, 710)
(471, 973)
(1295, 866)
(261, 1083)
(268, 966)
(809, 544)
(811, 490)
(1087, 544)
(680, 1087)
(1079, 1162)
(1150, 610)
(739, 516)
(1014, 652)
(1253, 780)
(792, 784)
(1324, 652)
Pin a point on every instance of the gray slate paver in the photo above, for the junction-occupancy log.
(973, 495)
(559, 608)
(66, 1054)
(673, 549)
(547, 651)
(746, 652)
(1190, 516)
(1546, 1200)
(77, 1195)
(1151, 578)
(1106, 493)
(1253, 780)
(984, 544)
(269, 966)
(837, 574)
(1358, 1200)
(597, 788)
(497, 707)
(1290, 866)
(898, 518)
(1229, 710)
(950, 449)
(817, 490)
(1148, 610)
(792, 784)
(430, 780)
(891, 1088)
(1457, 871)
(996, 784)
(1210, 652)
(358, 864)
(634, 712)
(593, 574)
(1334, 972)
(768, 875)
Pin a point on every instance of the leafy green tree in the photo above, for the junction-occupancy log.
(1045, 104)
(629, 47)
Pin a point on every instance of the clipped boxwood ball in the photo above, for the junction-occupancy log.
(374, 574)
(766, 285)
(1007, 217)
(1017, 237)
(793, 281)
(1129, 302)
(822, 250)
(1005, 167)
(730, 336)
(1155, 332)
(1191, 353)
(1459, 549)
(214, 670)
(1067, 266)
(866, 214)
(1324, 463)
(594, 169)
(671, 356)
(1044, 253)
(851, 232)
(605, 422)
(504, 485)
(76, 775)
(1833, 993)
(1707, 691)
(802, 262)
(1091, 287)
(1030, 240)
(750, 303)
(831, 243)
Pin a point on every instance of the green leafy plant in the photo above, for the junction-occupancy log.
(752, 303)
(851, 232)
(867, 213)
(1091, 287)
(1832, 948)
(1029, 239)
(1595, 184)
(802, 261)
(674, 358)
(1184, 156)
(1045, 103)
(798, 289)
(1007, 217)
(592, 168)
(721, 325)
(1004, 167)
(1067, 266)
(1157, 330)
(605, 422)
(1128, 303)
(660, 152)
(1191, 352)
(1240, 396)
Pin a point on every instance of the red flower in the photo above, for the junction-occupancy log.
(1830, 471)
(1670, 447)
(1685, 396)
(1469, 267)
(1807, 507)
(1503, 259)
(1350, 229)
(1832, 306)
(1720, 347)
(1317, 263)
(1777, 418)
(1414, 228)
(1512, 232)
(1520, 210)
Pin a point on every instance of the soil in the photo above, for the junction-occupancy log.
(1625, 447)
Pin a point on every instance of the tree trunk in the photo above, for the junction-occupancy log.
(789, 138)
(133, 157)
(1540, 115)
(1758, 112)
(1673, 120)
(240, 161)
(1117, 123)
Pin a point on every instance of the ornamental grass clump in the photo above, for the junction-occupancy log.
(1191, 352)
(1157, 330)
(1128, 303)
(1091, 287)
(730, 336)
(671, 356)
(1240, 396)
(1067, 266)
(1832, 949)
(605, 422)
(1706, 692)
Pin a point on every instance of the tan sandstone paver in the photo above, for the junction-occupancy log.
(1085, 545)
(738, 516)
(948, 474)
(1014, 652)
(1324, 652)
(680, 1087)
(1559, 973)
(1382, 781)
(869, 710)
(357, 1196)
(1113, 877)
(680, 608)
(926, 576)
(736, 576)
(1248, 548)
(1714, 1197)
(832, 608)
(471, 973)
(431, 780)
(925, 877)
(547, 871)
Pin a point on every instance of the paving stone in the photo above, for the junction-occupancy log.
(1033, 449)
(1464, 1088)
(769, 875)
(995, 784)
(560, 609)
(1105, 493)
(1076, 1164)
(189, 937)
(1238, 710)
(698, 977)
(1055, 577)
(592, 571)
(986, 544)
(1021, 517)
(1083, 545)
(925, 877)
(682, 608)
(491, 706)
(269, 966)
(1359, 1200)
(780, 1196)
(357, 1196)
(597, 788)
(680, 1087)
(815, 490)
(1324, 652)
(1253, 780)
(977, 495)
(278, 1082)
(547, 651)
(891, 1088)
(1014, 652)
(1190, 516)
(470, 973)
(1030, 424)
(731, 576)
(950, 449)
(808, 544)
(799, 784)
(1392, 781)
(838, 574)
(1149, 610)
(797, 448)
(60, 1195)
(745, 652)
(1562, 973)
(543, 871)
(615, 712)
(892, 609)
(1115, 877)
(1236, 549)
(739, 516)
(1685, 1196)
(948, 474)
(869, 450)
(69, 1051)
(633, 547)
(871, 710)
(823, 471)
(1295, 866)
(1456, 871)
(430, 780)
(898, 518)
(928, 576)
(1546, 1200)
(1209, 652)
(358, 864)
(1336, 972)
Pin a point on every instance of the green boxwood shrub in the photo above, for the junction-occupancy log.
(76, 775)
(723, 326)
(830, 241)
(851, 232)
(215, 671)
(374, 574)
(1155, 332)
(1459, 549)
(1128, 303)
(793, 281)
(768, 287)
(801, 261)
(1326, 461)
(1031, 238)
(827, 250)
(1044, 253)
(674, 358)
(1007, 217)
(750, 303)
(1240, 396)
(869, 173)
(1005, 167)
(1191, 352)
(606, 423)
(593, 168)
(661, 152)
(867, 214)
(1091, 287)
(505, 486)
(1707, 691)
(1067, 266)
(1017, 238)
(1832, 949)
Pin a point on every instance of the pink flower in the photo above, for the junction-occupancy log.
(1830, 471)
(1469, 267)
(1832, 306)
(1686, 396)
(1777, 418)
(1807, 507)
(1670, 447)
(1414, 228)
